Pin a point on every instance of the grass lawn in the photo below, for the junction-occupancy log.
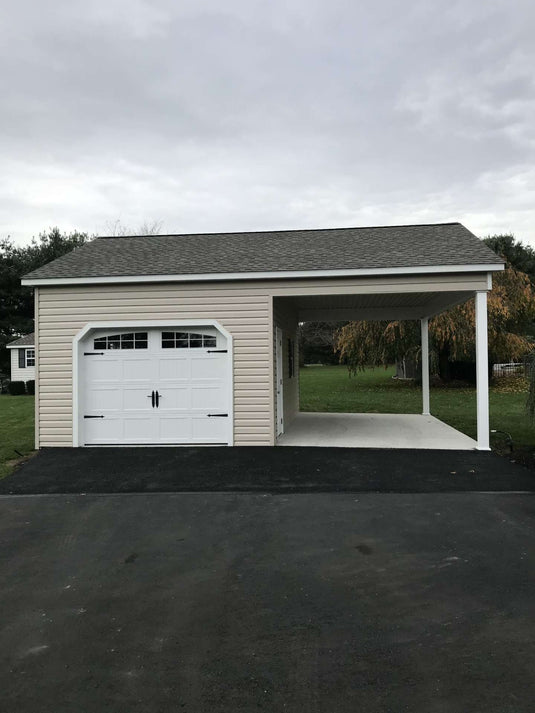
(329, 388)
(16, 430)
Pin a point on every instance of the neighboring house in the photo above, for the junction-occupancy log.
(192, 339)
(23, 358)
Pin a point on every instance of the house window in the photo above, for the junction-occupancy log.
(187, 340)
(132, 340)
(290, 358)
(30, 357)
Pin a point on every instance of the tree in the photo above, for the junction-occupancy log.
(16, 301)
(116, 229)
(518, 255)
(511, 310)
(316, 342)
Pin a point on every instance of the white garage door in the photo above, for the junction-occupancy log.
(151, 386)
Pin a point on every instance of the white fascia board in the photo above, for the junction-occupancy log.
(20, 346)
(287, 274)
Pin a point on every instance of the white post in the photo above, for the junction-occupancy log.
(424, 323)
(482, 373)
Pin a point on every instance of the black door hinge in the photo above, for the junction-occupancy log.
(93, 353)
(93, 416)
(217, 351)
(218, 415)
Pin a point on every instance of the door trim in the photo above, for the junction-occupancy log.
(77, 396)
(279, 387)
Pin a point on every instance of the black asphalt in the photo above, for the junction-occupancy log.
(121, 470)
(226, 602)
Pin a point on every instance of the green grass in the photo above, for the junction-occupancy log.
(329, 388)
(16, 430)
(326, 388)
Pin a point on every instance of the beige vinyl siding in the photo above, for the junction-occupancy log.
(63, 312)
(454, 282)
(244, 308)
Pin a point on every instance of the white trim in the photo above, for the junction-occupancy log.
(149, 324)
(482, 373)
(424, 324)
(20, 346)
(288, 274)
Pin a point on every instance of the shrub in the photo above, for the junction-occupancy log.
(30, 387)
(16, 388)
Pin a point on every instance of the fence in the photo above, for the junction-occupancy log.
(513, 368)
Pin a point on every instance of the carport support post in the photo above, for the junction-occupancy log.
(482, 373)
(424, 323)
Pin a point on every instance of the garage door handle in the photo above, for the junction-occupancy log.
(218, 415)
(158, 397)
(217, 351)
(151, 397)
(93, 416)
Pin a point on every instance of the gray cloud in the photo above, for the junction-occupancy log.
(251, 115)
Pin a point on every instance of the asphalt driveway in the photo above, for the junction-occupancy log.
(225, 602)
(258, 469)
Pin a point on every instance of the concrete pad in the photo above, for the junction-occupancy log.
(374, 430)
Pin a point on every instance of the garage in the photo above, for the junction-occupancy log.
(163, 385)
(124, 326)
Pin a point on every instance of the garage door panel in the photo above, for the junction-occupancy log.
(172, 369)
(138, 369)
(137, 399)
(209, 429)
(101, 400)
(175, 398)
(205, 398)
(108, 430)
(98, 369)
(175, 429)
(192, 382)
(209, 368)
(139, 430)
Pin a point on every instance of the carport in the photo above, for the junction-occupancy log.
(394, 301)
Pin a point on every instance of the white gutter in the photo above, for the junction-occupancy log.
(286, 274)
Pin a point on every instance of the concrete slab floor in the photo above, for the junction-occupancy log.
(373, 430)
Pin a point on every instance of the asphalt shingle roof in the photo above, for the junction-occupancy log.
(28, 340)
(273, 251)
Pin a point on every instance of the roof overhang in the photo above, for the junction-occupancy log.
(20, 346)
(288, 274)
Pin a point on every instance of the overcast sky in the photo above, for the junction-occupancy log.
(243, 115)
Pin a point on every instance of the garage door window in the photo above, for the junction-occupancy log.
(132, 340)
(187, 340)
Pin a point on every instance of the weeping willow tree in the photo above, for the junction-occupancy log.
(511, 311)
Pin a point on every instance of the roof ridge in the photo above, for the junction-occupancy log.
(283, 230)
